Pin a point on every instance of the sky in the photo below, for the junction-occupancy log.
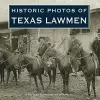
(4, 4)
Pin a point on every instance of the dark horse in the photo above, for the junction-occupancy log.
(34, 67)
(87, 66)
(50, 65)
(12, 63)
(2, 67)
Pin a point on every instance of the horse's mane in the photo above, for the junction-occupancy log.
(51, 52)
(84, 56)
(28, 57)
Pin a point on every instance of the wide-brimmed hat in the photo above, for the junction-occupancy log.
(72, 34)
(41, 38)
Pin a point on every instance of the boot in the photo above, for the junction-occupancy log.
(74, 73)
(45, 73)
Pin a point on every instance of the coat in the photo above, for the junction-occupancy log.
(42, 48)
(72, 45)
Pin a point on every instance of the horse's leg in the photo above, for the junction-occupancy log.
(30, 77)
(29, 70)
(35, 79)
(88, 86)
(19, 74)
(54, 77)
(50, 78)
(63, 77)
(93, 85)
(15, 75)
(8, 75)
(66, 82)
(40, 77)
(63, 84)
(2, 77)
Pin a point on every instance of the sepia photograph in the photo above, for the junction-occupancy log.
(50, 63)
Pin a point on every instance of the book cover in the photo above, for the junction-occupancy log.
(49, 49)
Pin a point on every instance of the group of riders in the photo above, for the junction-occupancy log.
(75, 59)
(73, 44)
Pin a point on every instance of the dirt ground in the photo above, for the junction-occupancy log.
(27, 91)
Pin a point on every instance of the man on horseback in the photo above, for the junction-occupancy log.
(43, 46)
(96, 50)
(72, 46)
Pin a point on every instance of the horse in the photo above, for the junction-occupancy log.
(2, 67)
(89, 69)
(87, 65)
(34, 67)
(63, 65)
(12, 64)
(50, 66)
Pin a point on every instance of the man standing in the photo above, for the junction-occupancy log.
(74, 45)
(96, 50)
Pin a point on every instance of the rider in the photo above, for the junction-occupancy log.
(42, 43)
(45, 45)
(72, 45)
(96, 49)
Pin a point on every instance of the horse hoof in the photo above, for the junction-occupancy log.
(37, 90)
(2, 84)
(16, 83)
(53, 88)
(6, 84)
(94, 99)
(65, 92)
(88, 98)
(18, 80)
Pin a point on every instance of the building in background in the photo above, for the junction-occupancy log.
(11, 39)
(87, 35)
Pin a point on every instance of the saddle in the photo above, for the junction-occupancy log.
(71, 59)
(39, 60)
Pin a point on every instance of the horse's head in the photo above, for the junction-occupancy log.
(78, 52)
(50, 52)
(1, 58)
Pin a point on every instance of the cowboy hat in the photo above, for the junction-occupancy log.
(41, 38)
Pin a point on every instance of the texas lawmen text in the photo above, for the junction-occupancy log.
(53, 20)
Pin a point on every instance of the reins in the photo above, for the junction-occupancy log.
(83, 57)
(8, 58)
(52, 47)
(25, 64)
